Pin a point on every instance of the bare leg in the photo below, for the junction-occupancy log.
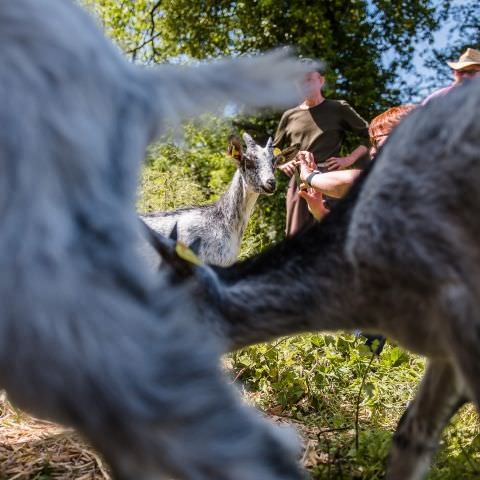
(419, 430)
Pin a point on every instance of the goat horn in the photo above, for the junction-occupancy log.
(167, 249)
(249, 140)
(174, 233)
(195, 246)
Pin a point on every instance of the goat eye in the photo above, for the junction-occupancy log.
(248, 162)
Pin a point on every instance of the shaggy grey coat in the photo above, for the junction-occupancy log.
(399, 255)
(85, 338)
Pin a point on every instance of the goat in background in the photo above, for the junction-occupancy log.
(399, 255)
(85, 339)
(218, 228)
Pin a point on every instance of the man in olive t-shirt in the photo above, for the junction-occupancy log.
(319, 125)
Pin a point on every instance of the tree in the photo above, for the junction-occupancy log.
(464, 32)
(351, 36)
(364, 43)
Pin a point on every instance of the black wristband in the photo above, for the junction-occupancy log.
(308, 180)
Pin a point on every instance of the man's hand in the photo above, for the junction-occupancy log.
(337, 163)
(288, 168)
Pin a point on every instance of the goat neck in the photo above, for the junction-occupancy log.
(236, 204)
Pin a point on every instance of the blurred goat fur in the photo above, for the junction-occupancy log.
(399, 255)
(85, 339)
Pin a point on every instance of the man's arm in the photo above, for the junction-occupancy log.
(352, 122)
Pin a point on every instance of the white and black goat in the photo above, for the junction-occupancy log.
(85, 338)
(218, 228)
(399, 255)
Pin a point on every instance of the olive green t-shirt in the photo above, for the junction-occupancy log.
(320, 129)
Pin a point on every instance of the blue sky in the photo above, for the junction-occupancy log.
(424, 78)
(422, 49)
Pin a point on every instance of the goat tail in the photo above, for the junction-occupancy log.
(258, 81)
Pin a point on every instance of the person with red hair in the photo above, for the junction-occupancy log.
(381, 126)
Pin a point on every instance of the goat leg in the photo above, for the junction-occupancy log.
(462, 332)
(417, 436)
(145, 389)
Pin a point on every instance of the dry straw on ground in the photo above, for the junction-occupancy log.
(32, 449)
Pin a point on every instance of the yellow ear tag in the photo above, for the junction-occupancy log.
(235, 152)
(277, 151)
(187, 254)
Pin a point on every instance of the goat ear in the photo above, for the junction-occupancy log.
(174, 233)
(269, 143)
(249, 140)
(235, 148)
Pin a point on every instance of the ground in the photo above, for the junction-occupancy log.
(310, 382)
(31, 449)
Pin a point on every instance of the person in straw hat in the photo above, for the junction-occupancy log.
(467, 67)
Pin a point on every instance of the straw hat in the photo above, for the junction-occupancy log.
(469, 58)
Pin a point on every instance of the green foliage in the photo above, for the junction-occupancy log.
(365, 44)
(314, 381)
(315, 368)
(351, 37)
(46, 473)
(190, 171)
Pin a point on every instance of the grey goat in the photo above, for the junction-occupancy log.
(219, 227)
(85, 339)
(400, 255)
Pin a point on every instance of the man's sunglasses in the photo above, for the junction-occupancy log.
(468, 73)
(374, 140)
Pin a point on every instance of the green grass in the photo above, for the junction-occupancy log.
(314, 381)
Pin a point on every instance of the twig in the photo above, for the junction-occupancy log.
(100, 466)
(467, 456)
(239, 374)
(275, 345)
(357, 413)
(330, 430)
(152, 34)
(143, 44)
